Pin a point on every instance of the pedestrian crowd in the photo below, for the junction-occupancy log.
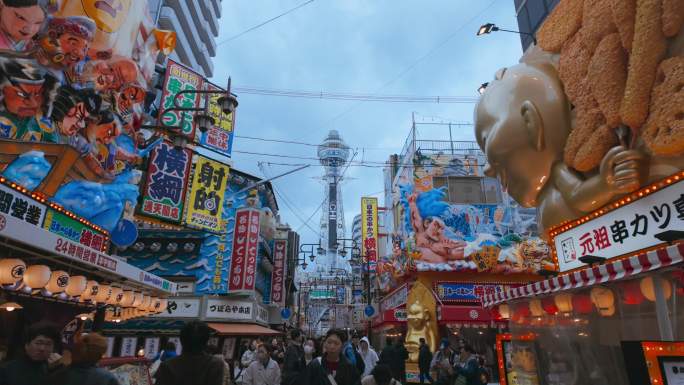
(336, 359)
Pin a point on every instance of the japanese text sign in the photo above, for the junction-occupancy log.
(167, 177)
(74, 230)
(625, 230)
(219, 136)
(128, 346)
(245, 248)
(229, 309)
(278, 274)
(20, 207)
(369, 231)
(395, 299)
(466, 292)
(179, 78)
(181, 307)
(205, 201)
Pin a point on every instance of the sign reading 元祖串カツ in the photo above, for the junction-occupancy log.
(625, 230)
(369, 231)
(205, 200)
(167, 177)
(179, 78)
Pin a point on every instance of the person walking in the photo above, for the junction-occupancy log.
(247, 358)
(443, 363)
(88, 349)
(398, 366)
(369, 356)
(381, 375)
(351, 352)
(468, 370)
(263, 371)
(294, 364)
(194, 366)
(33, 366)
(387, 353)
(332, 368)
(424, 360)
(309, 351)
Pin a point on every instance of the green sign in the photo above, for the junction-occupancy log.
(74, 230)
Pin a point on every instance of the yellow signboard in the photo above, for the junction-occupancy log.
(205, 201)
(369, 231)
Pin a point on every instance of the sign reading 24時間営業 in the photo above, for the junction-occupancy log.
(624, 230)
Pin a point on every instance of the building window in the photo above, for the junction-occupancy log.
(464, 190)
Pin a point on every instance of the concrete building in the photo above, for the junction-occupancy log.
(531, 14)
(196, 23)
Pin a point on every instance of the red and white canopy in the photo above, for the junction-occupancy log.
(610, 271)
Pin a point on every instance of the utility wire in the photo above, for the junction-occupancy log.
(264, 23)
(350, 163)
(357, 96)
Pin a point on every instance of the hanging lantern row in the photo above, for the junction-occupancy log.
(16, 276)
(602, 299)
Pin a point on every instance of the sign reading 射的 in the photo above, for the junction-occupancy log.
(624, 230)
(167, 178)
(369, 231)
(245, 249)
(205, 200)
(278, 274)
(180, 78)
(219, 136)
(73, 230)
(466, 292)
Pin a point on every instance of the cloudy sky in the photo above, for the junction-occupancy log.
(388, 47)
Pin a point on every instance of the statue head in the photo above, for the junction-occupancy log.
(21, 20)
(522, 122)
(417, 316)
(66, 40)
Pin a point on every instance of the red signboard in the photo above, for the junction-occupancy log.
(464, 314)
(278, 275)
(245, 248)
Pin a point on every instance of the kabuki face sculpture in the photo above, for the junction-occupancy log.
(66, 41)
(20, 20)
(24, 87)
(111, 75)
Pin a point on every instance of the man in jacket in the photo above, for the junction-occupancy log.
(194, 366)
(247, 358)
(399, 364)
(443, 363)
(263, 371)
(294, 364)
(88, 349)
(369, 356)
(351, 352)
(424, 360)
(31, 368)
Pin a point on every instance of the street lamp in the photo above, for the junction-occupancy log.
(488, 28)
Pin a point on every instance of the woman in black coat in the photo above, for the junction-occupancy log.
(332, 368)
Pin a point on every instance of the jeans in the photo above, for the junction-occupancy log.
(425, 375)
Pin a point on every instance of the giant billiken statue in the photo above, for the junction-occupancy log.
(421, 319)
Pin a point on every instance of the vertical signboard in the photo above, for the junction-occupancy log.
(278, 274)
(179, 78)
(245, 248)
(205, 200)
(128, 346)
(219, 136)
(369, 231)
(151, 347)
(167, 177)
(332, 216)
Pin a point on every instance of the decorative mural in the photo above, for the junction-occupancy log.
(74, 77)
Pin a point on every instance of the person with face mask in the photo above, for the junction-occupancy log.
(263, 371)
(369, 356)
(309, 351)
(37, 360)
(333, 368)
(294, 364)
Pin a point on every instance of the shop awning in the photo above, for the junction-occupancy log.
(610, 271)
(242, 329)
(463, 314)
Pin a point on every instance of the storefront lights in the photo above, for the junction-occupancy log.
(11, 306)
(59, 280)
(77, 285)
(648, 288)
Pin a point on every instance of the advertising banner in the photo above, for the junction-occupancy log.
(369, 231)
(167, 179)
(245, 247)
(219, 137)
(466, 292)
(205, 200)
(180, 78)
(151, 347)
(625, 230)
(74, 230)
(278, 274)
(395, 299)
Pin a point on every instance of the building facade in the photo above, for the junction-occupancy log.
(531, 14)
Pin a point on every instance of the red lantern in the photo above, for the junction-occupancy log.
(522, 311)
(631, 293)
(495, 313)
(582, 304)
(549, 306)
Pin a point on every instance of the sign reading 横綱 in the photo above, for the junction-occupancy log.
(466, 292)
(167, 177)
(625, 230)
(219, 136)
(73, 230)
(278, 274)
(369, 231)
(245, 248)
(180, 78)
(219, 308)
(205, 200)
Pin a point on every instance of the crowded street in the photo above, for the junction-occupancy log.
(341, 192)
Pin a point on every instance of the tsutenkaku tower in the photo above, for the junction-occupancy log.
(333, 154)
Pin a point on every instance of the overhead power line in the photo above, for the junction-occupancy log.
(357, 96)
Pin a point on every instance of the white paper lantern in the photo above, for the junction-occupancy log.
(163, 304)
(91, 291)
(36, 276)
(145, 303)
(128, 298)
(137, 300)
(103, 294)
(648, 288)
(505, 311)
(536, 307)
(77, 285)
(11, 271)
(59, 280)
(116, 296)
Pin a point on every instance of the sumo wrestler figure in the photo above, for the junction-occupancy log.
(522, 123)
(20, 21)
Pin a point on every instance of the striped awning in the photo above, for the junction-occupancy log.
(610, 271)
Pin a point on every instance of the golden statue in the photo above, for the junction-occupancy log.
(421, 316)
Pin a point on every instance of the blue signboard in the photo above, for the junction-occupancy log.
(467, 292)
(341, 294)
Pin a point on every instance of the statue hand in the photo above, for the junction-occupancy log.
(623, 170)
